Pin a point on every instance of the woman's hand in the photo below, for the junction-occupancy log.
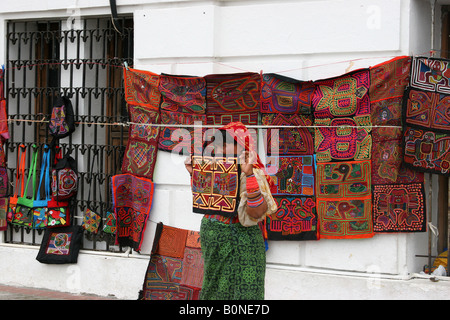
(247, 159)
(188, 164)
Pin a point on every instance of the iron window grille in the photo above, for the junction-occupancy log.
(46, 59)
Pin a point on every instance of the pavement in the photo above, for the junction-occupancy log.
(23, 293)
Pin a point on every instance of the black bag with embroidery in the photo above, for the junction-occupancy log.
(62, 121)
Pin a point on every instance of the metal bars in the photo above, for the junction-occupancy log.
(46, 59)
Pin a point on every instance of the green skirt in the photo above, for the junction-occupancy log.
(234, 261)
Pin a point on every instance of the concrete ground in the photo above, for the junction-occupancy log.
(23, 293)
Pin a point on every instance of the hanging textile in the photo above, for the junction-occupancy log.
(233, 98)
(296, 219)
(142, 147)
(290, 161)
(292, 175)
(141, 88)
(285, 95)
(344, 200)
(399, 208)
(132, 201)
(390, 178)
(343, 144)
(288, 141)
(427, 134)
(178, 139)
(398, 193)
(143, 99)
(175, 269)
(342, 112)
(183, 94)
(183, 101)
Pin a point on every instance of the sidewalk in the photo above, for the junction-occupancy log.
(23, 293)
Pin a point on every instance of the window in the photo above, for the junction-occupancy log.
(46, 59)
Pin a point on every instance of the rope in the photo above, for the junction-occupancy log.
(127, 124)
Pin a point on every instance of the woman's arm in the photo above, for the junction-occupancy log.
(256, 205)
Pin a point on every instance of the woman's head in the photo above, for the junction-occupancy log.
(222, 143)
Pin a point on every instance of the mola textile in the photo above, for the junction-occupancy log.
(426, 116)
(215, 185)
(344, 200)
(285, 95)
(398, 196)
(342, 116)
(233, 98)
(178, 139)
(296, 219)
(175, 270)
(292, 175)
(141, 88)
(399, 208)
(183, 94)
(288, 141)
(132, 201)
(141, 152)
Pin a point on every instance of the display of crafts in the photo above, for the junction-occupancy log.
(339, 168)
(346, 154)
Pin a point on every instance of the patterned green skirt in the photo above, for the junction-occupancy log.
(234, 261)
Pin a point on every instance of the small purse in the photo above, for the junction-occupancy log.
(110, 224)
(23, 215)
(20, 182)
(58, 214)
(91, 219)
(61, 245)
(40, 208)
(65, 179)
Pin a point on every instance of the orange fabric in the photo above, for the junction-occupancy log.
(172, 242)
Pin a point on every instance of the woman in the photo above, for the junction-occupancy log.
(232, 243)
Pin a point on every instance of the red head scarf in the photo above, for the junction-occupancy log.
(244, 138)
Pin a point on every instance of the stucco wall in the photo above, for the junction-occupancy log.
(306, 40)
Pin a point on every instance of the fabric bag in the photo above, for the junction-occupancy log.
(58, 213)
(23, 215)
(91, 219)
(62, 121)
(110, 224)
(244, 218)
(3, 212)
(3, 182)
(61, 245)
(2, 152)
(40, 206)
(65, 178)
(20, 182)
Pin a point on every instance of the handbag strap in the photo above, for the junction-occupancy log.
(45, 174)
(20, 173)
(96, 157)
(32, 172)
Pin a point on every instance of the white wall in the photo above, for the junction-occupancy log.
(306, 40)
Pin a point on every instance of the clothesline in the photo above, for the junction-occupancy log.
(127, 124)
(205, 62)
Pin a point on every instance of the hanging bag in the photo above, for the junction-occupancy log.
(3, 182)
(91, 219)
(61, 245)
(20, 183)
(24, 209)
(110, 224)
(62, 121)
(65, 178)
(40, 206)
